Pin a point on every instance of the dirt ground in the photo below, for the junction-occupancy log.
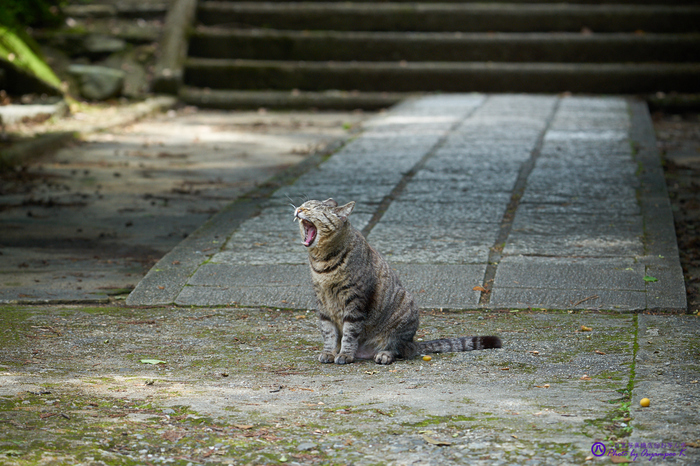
(678, 138)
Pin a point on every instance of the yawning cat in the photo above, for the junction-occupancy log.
(364, 310)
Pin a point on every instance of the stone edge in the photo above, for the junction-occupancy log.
(662, 256)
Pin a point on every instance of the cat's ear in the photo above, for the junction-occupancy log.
(344, 211)
(330, 202)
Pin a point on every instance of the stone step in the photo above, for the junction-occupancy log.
(322, 100)
(266, 44)
(441, 76)
(453, 17)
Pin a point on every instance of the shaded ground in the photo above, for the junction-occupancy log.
(679, 141)
(90, 220)
(243, 386)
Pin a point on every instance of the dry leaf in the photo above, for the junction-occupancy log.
(586, 329)
(585, 377)
(534, 352)
(440, 443)
(695, 444)
(619, 459)
(173, 435)
(599, 352)
(480, 288)
(243, 426)
(505, 368)
(514, 436)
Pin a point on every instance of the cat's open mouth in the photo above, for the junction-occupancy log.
(309, 232)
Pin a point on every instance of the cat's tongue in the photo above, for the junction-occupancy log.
(309, 233)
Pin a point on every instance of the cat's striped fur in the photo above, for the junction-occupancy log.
(364, 311)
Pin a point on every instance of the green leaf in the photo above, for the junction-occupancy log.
(153, 361)
(15, 51)
(647, 278)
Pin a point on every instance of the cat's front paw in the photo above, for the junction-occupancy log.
(384, 357)
(344, 358)
(326, 357)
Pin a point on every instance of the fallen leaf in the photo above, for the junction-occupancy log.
(46, 415)
(534, 352)
(693, 444)
(514, 436)
(440, 443)
(243, 426)
(505, 368)
(599, 352)
(173, 435)
(161, 287)
(650, 279)
(480, 288)
(585, 377)
(300, 316)
(619, 459)
(586, 329)
(153, 361)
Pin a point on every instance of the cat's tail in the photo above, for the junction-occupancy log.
(452, 345)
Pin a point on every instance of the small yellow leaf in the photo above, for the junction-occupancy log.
(586, 329)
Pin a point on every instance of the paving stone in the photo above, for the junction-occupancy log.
(570, 273)
(421, 245)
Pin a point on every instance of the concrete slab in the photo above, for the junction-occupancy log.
(552, 202)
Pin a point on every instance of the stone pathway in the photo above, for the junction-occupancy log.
(542, 201)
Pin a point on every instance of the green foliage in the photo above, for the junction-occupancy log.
(36, 13)
(14, 50)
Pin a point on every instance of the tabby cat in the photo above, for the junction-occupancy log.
(364, 311)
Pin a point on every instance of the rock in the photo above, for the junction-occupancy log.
(96, 44)
(98, 82)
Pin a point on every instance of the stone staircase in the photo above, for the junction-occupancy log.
(368, 54)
